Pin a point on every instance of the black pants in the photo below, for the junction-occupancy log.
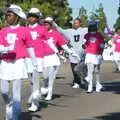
(76, 78)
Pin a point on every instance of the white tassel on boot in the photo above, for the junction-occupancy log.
(44, 91)
(36, 96)
(49, 95)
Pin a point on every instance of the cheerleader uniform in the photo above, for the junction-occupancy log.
(93, 47)
(12, 67)
(51, 68)
(38, 34)
(116, 55)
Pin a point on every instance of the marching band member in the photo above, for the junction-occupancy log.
(94, 45)
(52, 61)
(12, 68)
(38, 34)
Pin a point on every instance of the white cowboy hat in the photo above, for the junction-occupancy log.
(35, 11)
(48, 20)
(17, 10)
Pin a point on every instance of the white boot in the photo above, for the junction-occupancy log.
(49, 95)
(76, 85)
(90, 87)
(30, 99)
(9, 111)
(98, 87)
(44, 91)
(87, 79)
(33, 108)
(36, 96)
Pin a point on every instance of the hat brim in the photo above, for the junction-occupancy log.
(21, 14)
(46, 21)
(33, 14)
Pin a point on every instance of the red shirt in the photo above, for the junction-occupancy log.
(93, 42)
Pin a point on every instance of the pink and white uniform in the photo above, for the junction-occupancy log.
(93, 47)
(116, 55)
(58, 40)
(38, 34)
(52, 61)
(20, 38)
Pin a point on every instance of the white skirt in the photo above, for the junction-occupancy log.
(94, 59)
(30, 66)
(116, 56)
(13, 70)
(51, 60)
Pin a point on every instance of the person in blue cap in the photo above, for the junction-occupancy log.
(94, 45)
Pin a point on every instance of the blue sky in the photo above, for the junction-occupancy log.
(110, 8)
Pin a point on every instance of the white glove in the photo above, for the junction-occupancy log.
(32, 56)
(3, 49)
(10, 47)
(67, 49)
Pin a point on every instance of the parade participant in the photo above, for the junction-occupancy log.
(75, 36)
(38, 34)
(12, 67)
(116, 53)
(52, 67)
(94, 44)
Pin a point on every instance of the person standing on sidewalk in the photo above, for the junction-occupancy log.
(75, 36)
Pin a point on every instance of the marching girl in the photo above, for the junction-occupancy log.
(116, 53)
(38, 34)
(12, 68)
(94, 44)
(52, 61)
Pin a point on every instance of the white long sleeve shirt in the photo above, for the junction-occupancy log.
(76, 38)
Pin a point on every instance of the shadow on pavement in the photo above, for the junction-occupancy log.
(60, 77)
(109, 116)
(112, 87)
(34, 115)
(30, 116)
(55, 96)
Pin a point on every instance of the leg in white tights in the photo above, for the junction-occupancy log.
(36, 94)
(90, 67)
(118, 64)
(97, 75)
(51, 75)
(31, 87)
(13, 107)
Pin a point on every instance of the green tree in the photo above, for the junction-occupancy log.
(117, 24)
(83, 16)
(58, 9)
(99, 15)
